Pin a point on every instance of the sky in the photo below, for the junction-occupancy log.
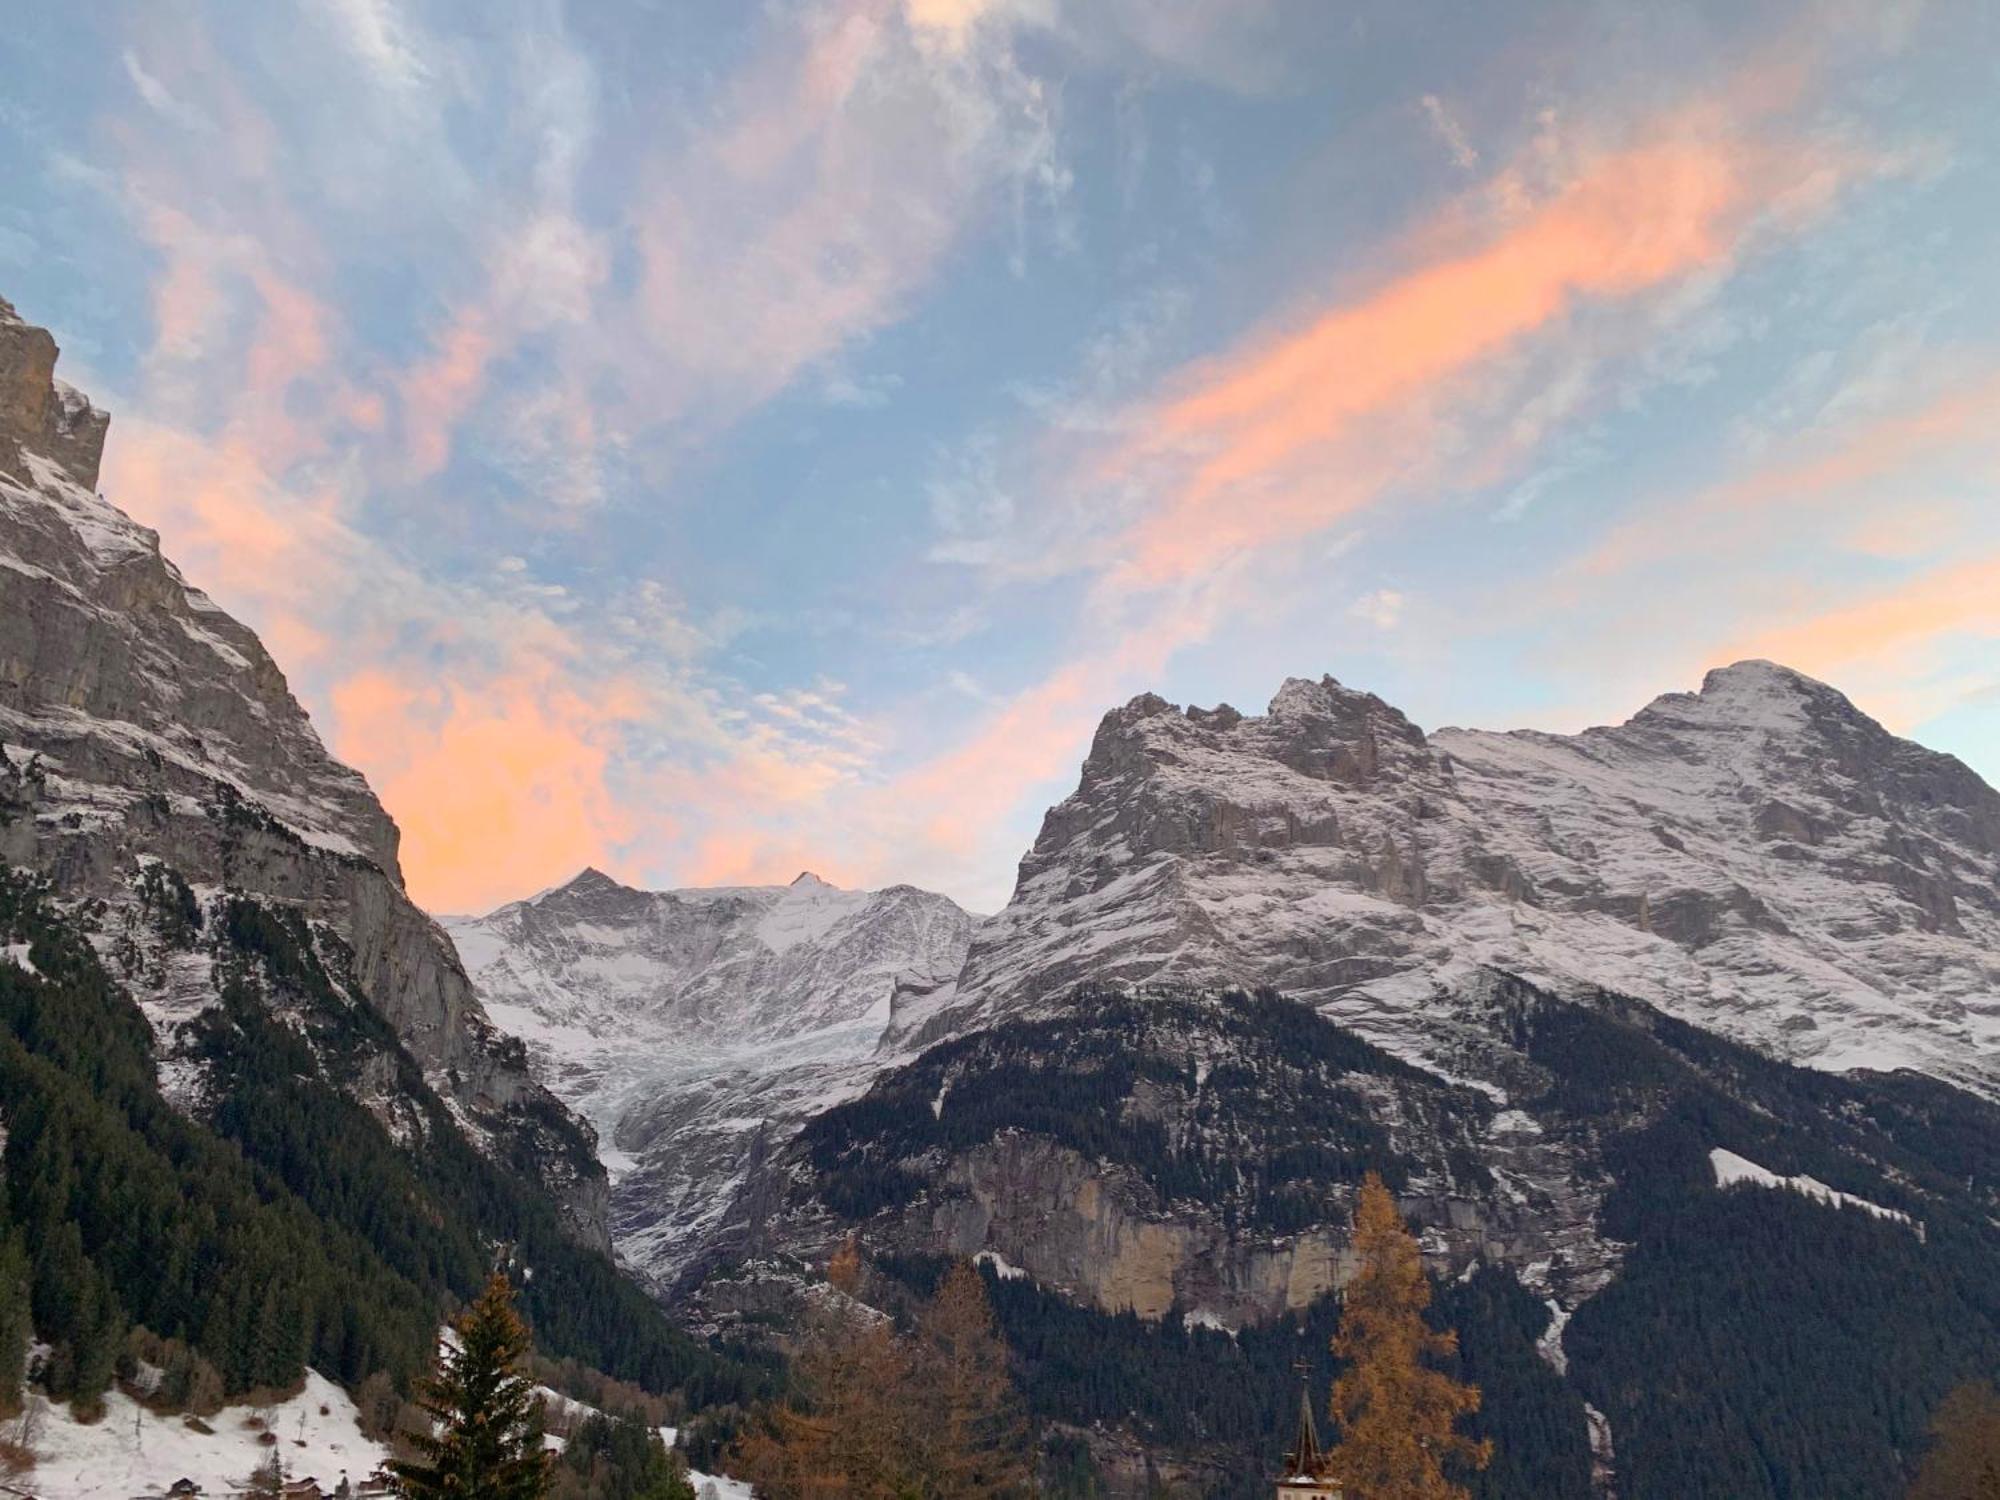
(711, 441)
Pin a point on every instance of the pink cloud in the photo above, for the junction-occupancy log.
(496, 784)
(435, 394)
(1277, 439)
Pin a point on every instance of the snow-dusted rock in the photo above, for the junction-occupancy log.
(1759, 858)
(141, 727)
(696, 1028)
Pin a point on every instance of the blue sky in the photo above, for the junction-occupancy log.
(714, 441)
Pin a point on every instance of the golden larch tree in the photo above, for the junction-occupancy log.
(976, 1438)
(1397, 1412)
(879, 1416)
(1964, 1458)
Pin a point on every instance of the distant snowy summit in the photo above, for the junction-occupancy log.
(714, 963)
(695, 1027)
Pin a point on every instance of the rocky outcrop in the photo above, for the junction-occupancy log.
(39, 414)
(141, 724)
(1176, 1152)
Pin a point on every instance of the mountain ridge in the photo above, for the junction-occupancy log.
(694, 1027)
(144, 727)
(1759, 853)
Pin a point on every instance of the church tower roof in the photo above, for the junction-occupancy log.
(1305, 1457)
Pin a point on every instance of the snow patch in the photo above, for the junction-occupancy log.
(1001, 1266)
(1732, 1170)
(133, 1452)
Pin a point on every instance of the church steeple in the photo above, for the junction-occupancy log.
(1305, 1476)
(1305, 1459)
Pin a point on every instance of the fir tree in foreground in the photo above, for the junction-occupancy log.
(486, 1442)
(1396, 1410)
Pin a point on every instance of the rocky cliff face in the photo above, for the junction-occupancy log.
(1759, 857)
(151, 744)
(1171, 1150)
(696, 1029)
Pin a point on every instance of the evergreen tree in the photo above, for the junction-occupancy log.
(486, 1442)
(619, 1458)
(267, 1480)
(1396, 1411)
(1964, 1459)
(14, 1323)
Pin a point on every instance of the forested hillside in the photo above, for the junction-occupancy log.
(1739, 1340)
(281, 1225)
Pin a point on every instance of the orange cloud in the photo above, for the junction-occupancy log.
(1832, 465)
(1894, 628)
(1290, 433)
(498, 788)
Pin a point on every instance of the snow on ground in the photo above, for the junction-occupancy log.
(1731, 1169)
(719, 1486)
(133, 1452)
(1550, 1344)
(709, 1486)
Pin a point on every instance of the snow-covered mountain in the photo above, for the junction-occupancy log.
(152, 755)
(696, 1028)
(1566, 993)
(1759, 858)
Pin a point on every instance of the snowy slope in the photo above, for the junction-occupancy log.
(1732, 1170)
(694, 1028)
(1759, 858)
(134, 1452)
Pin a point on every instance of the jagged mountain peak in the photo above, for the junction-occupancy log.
(1758, 856)
(147, 736)
(586, 883)
(41, 415)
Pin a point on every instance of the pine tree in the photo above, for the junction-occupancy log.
(14, 1323)
(1394, 1408)
(486, 1442)
(267, 1480)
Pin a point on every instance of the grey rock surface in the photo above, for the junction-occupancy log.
(140, 723)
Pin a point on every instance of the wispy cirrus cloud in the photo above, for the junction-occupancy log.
(1384, 397)
(714, 444)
